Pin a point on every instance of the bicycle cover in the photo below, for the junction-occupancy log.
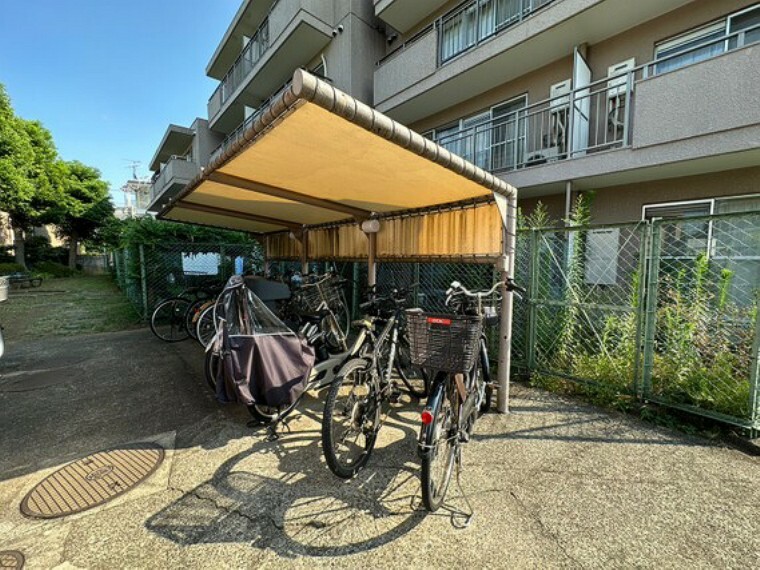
(263, 361)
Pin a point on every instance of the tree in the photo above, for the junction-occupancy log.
(30, 179)
(85, 206)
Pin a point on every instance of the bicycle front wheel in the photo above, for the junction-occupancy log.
(439, 448)
(351, 419)
(168, 319)
(205, 328)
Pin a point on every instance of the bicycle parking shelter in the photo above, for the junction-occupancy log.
(318, 175)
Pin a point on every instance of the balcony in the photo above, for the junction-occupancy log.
(404, 14)
(485, 43)
(292, 33)
(174, 175)
(247, 20)
(698, 118)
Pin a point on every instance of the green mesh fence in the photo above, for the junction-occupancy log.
(150, 274)
(666, 311)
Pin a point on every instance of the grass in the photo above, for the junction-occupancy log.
(68, 306)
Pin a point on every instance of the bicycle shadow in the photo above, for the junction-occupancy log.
(280, 495)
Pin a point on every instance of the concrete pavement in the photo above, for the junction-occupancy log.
(554, 484)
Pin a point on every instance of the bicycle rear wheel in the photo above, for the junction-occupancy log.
(412, 376)
(439, 448)
(168, 319)
(351, 419)
(193, 314)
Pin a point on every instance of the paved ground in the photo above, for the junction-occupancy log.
(554, 484)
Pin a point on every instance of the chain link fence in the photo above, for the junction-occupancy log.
(147, 274)
(663, 311)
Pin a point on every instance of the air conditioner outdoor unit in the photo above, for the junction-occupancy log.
(559, 93)
(616, 90)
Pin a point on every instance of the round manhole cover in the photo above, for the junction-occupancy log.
(11, 559)
(92, 481)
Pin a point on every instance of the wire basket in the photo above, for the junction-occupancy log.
(449, 343)
(312, 295)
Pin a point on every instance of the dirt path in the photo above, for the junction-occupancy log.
(80, 305)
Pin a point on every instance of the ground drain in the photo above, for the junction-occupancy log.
(11, 560)
(92, 481)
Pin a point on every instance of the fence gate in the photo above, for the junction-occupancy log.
(701, 334)
(584, 289)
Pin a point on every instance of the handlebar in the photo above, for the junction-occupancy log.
(457, 288)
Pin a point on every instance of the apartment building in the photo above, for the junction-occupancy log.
(651, 104)
(266, 41)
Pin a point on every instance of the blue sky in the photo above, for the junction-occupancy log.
(106, 77)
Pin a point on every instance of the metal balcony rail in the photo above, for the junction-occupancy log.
(478, 20)
(248, 58)
(238, 132)
(161, 178)
(587, 119)
(471, 23)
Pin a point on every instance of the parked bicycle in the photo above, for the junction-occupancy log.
(453, 348)
(318, 330)
(354, 407)
(172, 319)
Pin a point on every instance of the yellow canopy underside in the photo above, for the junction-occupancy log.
(315, 153)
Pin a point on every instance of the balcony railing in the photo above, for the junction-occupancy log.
(238, 132)
(248, 58)
(587, 119)
(470, 24)
(182, 168)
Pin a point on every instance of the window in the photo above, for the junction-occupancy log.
(746, 21)
(492, 140)
(708, 41)
(690, 47)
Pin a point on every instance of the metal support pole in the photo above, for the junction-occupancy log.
(143, 282)
(371, 265)
(650, 315)
(508, 241)
(304, 252)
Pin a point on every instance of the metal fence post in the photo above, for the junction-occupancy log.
(645, 244)
(533, 293)
(754, 373)
(650, 315)
(223, 265)
(143, 282)
(117, 268)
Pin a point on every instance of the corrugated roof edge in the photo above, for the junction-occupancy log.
(308, 88)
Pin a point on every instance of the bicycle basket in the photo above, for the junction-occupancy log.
(313, 294)
(449, 343)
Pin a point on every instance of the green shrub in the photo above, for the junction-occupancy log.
(8, 268)
(54, 270)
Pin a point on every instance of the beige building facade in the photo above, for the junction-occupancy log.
(643, 103)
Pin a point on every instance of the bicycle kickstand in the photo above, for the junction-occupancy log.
(455, 516)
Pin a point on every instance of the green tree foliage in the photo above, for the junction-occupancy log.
(30, 174)
(148, 231)
(85, 205)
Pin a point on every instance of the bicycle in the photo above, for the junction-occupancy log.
(353, 409)
(453, 347)
(169, 319)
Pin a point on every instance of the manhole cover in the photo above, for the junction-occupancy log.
(92, 481)
(11, 559)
